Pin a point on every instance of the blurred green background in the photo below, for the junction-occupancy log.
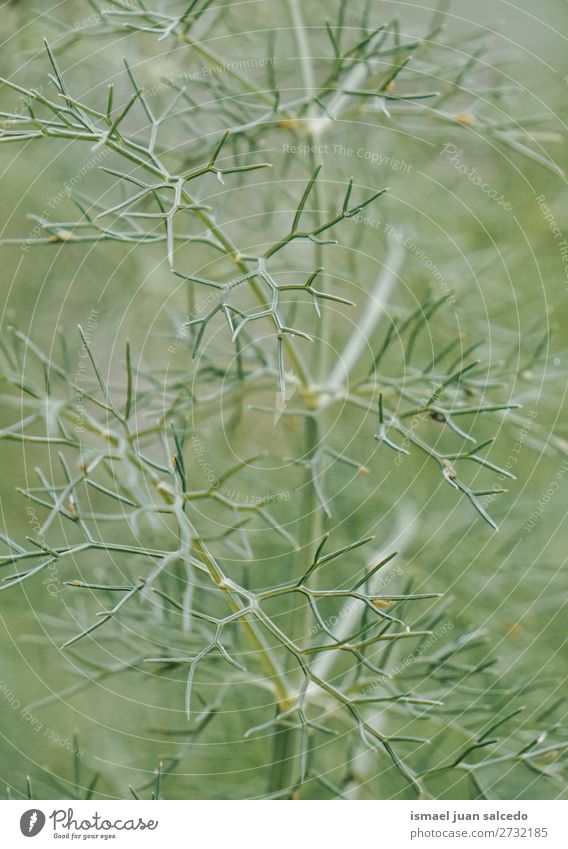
(510, 280)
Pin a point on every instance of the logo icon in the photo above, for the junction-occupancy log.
(32, 822)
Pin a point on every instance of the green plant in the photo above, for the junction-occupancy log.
(221, 494)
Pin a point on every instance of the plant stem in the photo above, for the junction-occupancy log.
(303, 47)
(283, 757)
(370, 317)
(285, 739)
(273, 672)
(244, 267)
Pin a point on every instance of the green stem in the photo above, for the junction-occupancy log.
(295, 359)
(303, 47)
(272, 670)
(128, 149)
(285, 739)
(284, 744)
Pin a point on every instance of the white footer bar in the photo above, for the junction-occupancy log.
(286, 825)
